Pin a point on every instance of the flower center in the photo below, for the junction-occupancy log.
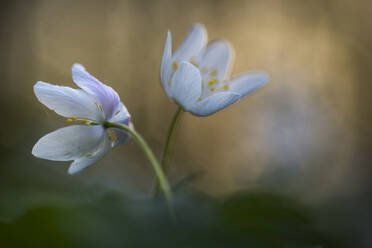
(211, 83)
(211, 80)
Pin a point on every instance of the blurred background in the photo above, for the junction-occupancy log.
(306, 136)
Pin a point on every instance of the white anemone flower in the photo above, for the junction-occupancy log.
(197, 76)
(90, 107)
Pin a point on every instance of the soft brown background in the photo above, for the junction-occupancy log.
(306, 134)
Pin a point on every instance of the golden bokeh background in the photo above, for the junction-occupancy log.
(307, 133)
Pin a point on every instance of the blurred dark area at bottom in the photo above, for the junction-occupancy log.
(243, 220)
(47, 214)
(45, 207)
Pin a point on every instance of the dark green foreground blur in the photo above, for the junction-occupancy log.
(243, 220)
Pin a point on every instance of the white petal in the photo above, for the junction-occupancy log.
(83, 162)
(119, 136)
(121, 116)
(186, 85)
(214, 103)
(105, 95)
(247, 83)
(193, 44)
(166, 63)
(68, 102)
(69, 143)
(217, 59)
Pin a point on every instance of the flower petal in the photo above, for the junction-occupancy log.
(247, 83)
(166, 63)
(105, 95)
(68, 102)
(121, 116)
(83, 162)
(194, 42)
(186, 85)
(217, 60)
(119, 136)
(69, 143)
(214, 103)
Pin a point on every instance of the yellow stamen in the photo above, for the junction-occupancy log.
(212, 89)
(99, 107)
(211, 82)
(69, 120)
(84, 122)
(175, 66)
(200, 98)
(74, 118)
(214, 73)
(112, 137)
(226, 87)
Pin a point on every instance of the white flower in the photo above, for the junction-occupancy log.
(91, 106)
(197, 77)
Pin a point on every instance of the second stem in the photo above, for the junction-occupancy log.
(165, 162)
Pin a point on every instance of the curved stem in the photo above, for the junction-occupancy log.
(171, 139)
(161, 178)
(165, 162)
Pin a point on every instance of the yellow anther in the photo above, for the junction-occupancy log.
(69, 120)
(84, 122)
(211, 82)
(74, 118)
(200, 98)
(212, 89)
(99, 107)
(226, 87)
(112, 136)
(204, 70)
(175, 66)
(214, 73)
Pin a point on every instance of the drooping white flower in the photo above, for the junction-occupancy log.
(90, 107)
(197, 77)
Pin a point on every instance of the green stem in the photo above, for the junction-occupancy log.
(171, 139)
(165, 162)
(161, 178)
